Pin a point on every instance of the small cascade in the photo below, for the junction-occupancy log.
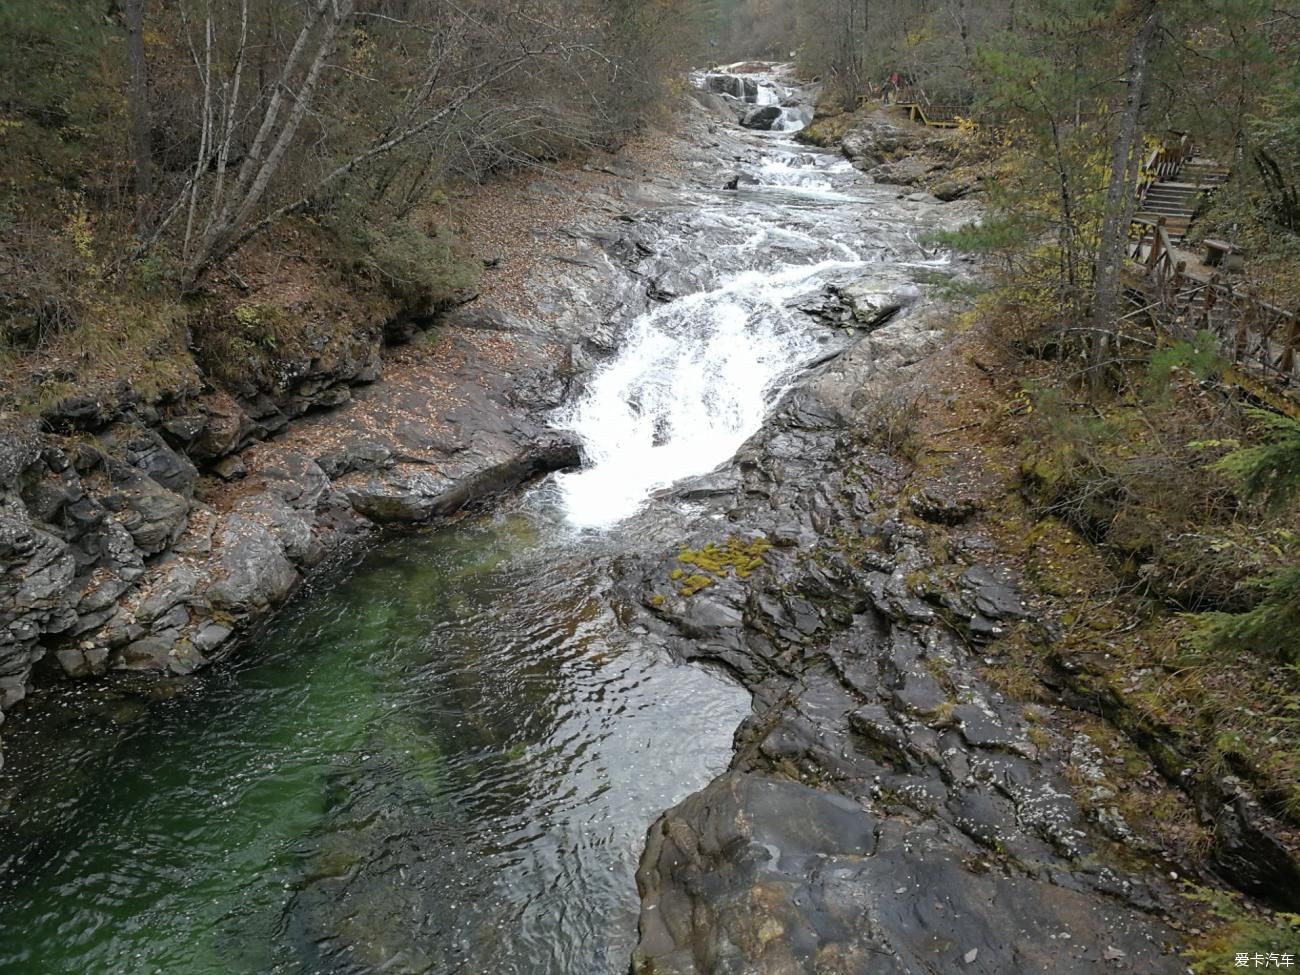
(693, 380)
(791, 120)
(774, 106)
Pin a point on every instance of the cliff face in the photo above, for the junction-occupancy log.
(146, 532)
(147, 539)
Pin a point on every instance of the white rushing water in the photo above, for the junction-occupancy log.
(693, 379)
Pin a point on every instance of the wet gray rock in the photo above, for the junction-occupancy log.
(761, 875)
(230, 468)
(153, 515)
(878, 139)
(359, 457)
(719, 105)
(291, 526)
(761, 118)
(146, 451)
(210, 636)
(254, 572)
(882, 795)
(36, 574)
(948, 190)
(80, 412)
(48, 494)
(904, 172)
(730, 84)
(177, 584)
(858, 305)
(296, 479)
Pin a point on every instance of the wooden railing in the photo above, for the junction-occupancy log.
(1164, 162)
(918, 105)
(1254, 334)
(943, 116)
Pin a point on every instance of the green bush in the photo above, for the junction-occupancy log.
(1270, 472)
(1200, 357)
(992, 236)
(418, 270)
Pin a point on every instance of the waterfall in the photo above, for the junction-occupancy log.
(692, 381)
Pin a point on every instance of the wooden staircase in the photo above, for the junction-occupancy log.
(1177, 186)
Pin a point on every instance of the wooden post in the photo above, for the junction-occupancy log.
(1156, 243)
(1211, 297)
(1288, 351)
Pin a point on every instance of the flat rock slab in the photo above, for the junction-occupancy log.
(762, 875)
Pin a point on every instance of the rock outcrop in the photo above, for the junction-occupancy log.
(886, 810)
(116, 554)
(761, 118)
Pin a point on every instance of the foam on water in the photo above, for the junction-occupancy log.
(788, 172)
(692, 381)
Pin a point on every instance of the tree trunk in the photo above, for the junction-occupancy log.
(1114, 227)
(138, 99)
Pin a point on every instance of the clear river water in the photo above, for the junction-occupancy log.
(443, 756)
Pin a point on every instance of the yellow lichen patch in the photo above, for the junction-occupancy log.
(770, 930)
(694, 583)
(734, 555)
(718, 561)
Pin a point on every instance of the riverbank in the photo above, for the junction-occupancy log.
(146, 531)
(946, 673)
(884, 793)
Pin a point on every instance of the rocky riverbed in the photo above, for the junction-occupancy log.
(147, 536)
(886, 808)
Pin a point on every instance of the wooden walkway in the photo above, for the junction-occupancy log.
(1182, 296)
(1179, 293)
(1182, 293)
(1176, 184)
(913, 100)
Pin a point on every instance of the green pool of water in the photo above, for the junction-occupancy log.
(443, 757)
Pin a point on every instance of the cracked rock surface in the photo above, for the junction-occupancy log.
(886, 809)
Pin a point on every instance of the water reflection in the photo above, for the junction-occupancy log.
(442, 759)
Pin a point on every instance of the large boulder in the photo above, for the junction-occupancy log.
(733, 85)
(758, 874)
(255, 572)
(877, 139)
(720, 105)
(762, 118)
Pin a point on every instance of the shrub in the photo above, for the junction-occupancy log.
(1269, 472)
(418, 270)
